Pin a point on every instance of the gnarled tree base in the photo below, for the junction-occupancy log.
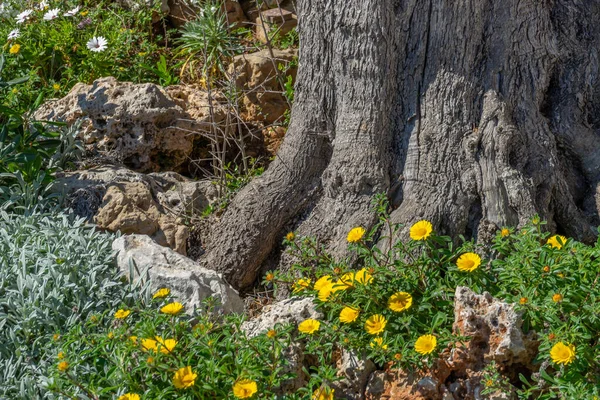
(472, 114)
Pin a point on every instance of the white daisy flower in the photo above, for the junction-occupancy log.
(15, 33)
(52, 14)
(24, 16)
(97, 44)
(72, 13)
(43, 5)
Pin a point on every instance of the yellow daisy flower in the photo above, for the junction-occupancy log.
(400, 301)
(425, 344)
(184, 378)
(349, 314)
(244, 388)
(130, 396)
(309, 326)
(120, 314)
(378, 342)
(172, 308)
(166, 345)
(562, 353)
(300, 285)
(557, 297)
(421, 230)
(323, 281)
(356, 234)
(557, 241)
(323, 393)
(161, 293)
(363, 276)
(375, 324)
(468, 262)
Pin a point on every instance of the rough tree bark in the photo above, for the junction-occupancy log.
(473, 114)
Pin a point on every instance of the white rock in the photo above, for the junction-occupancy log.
(188, 281)
(292, 311)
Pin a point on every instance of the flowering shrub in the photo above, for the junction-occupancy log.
(397, 307)
(54, 272)
(154, 350)
(60, 43)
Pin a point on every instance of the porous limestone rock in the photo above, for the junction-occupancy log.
(494, 328)
(392, 385)
(141, 126)
(118, 199)
(256, 75)
(189, 282)
(289, 311)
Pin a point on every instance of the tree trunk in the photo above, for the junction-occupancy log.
(474, 114)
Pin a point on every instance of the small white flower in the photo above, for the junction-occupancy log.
(15, 33)
(43, 5)
(52, 14)
(72, 13)
(97, 44)
(24, 16)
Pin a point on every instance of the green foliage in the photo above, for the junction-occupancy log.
(290, 39)
(108, 357)
(553, 281)
(30, 152)
(53, 54)
(54, 272)
(234, 180)
(163, 72)
(209, 41)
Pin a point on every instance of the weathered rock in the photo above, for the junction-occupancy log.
(139, 125)
(118, 199)
(256, 75)
(494, 328)
(355, 371)
(235, 15)
(274, 21)
(289, 311)
(188, 281)
(392, 385)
